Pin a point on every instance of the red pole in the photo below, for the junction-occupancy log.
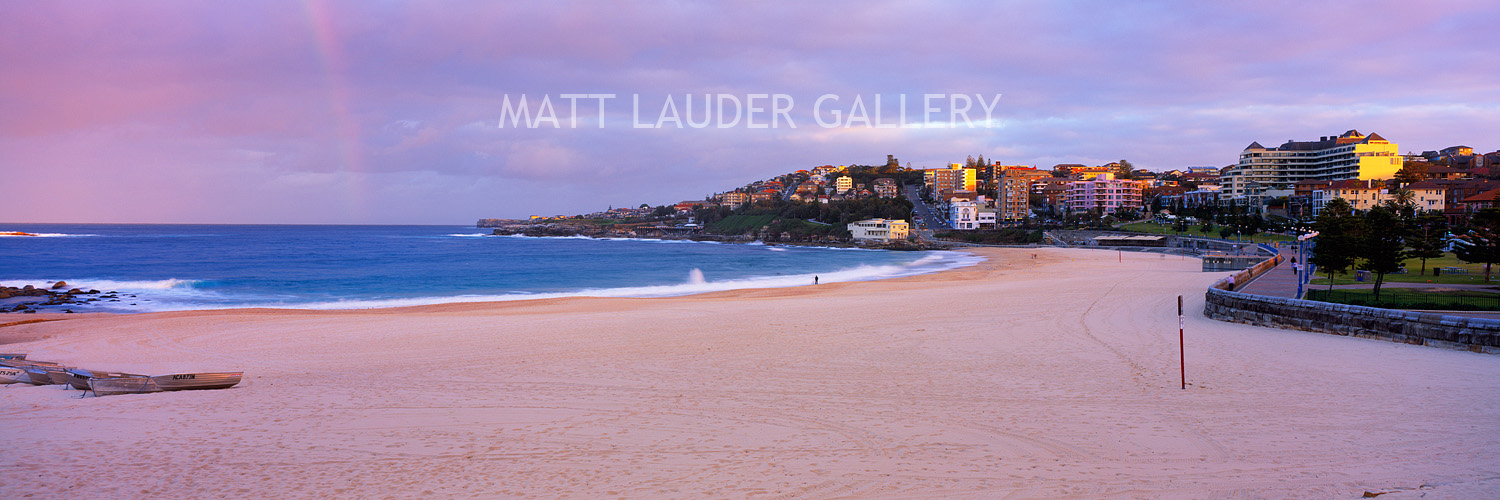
(1182, 355)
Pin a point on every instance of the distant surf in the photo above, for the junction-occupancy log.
(164, 268)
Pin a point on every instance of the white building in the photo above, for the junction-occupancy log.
(963, 214)
(880, 230)
(986, 218)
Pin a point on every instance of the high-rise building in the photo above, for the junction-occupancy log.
(1264, 173)
(844, 183)
(1013, 192)
(945, 178)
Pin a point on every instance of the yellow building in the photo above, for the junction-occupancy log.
(734, 199)
(1082, 173)
(964, 178)
(969, 179)
(844, 183)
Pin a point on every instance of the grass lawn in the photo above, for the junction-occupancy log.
(1154, 228)
(1474, 276)
(1400, 298)
(740, 224)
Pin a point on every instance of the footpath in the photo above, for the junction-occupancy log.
(1280, 281)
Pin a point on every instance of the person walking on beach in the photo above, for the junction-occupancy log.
(815, 279)
(1231, 282)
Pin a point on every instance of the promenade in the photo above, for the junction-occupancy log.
(1280, 281)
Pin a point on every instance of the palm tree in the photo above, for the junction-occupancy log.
(1403, 197)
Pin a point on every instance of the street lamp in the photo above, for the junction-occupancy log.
(1304, 242)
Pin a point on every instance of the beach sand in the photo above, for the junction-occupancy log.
(1016, 378)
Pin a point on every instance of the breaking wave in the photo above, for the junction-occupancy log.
(187, 294)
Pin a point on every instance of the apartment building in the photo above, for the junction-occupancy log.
(1361, 195)
(1264, 173)
(1105, 193)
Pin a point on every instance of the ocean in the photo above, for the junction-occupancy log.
(182, 267)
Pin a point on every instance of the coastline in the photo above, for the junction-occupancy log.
(1032, 378)
(12, 318)
(549, 231)
(177, 268)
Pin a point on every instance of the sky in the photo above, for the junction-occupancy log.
(383, 112)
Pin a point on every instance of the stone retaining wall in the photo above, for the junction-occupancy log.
(1244, 277)
(1420, 328)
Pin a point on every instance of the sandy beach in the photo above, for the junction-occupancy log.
(1054, 377)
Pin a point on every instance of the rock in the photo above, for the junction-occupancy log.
(4, 294)
(60, 285)
(74, 291)
(92, 292)
(28, 287)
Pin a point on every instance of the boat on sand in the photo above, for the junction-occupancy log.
(159, 383)
(79, 377)
(12, 375)
(32, 372)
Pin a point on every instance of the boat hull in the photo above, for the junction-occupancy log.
(38, 376)
(122, 385)
(10, 375)
(197, 381)
(159, 383)
(59, 377)
(79, 378)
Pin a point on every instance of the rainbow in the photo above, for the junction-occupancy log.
(351, 168)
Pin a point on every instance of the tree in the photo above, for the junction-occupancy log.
(1180, 225)
(1381, 245)
(1411, 171)
(1425, 236)
(1124, 170)
(1207, 227)
(1403, 197)
(1482, 242)
(1337, 241)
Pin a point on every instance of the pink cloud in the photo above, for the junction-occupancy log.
(285, 111)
